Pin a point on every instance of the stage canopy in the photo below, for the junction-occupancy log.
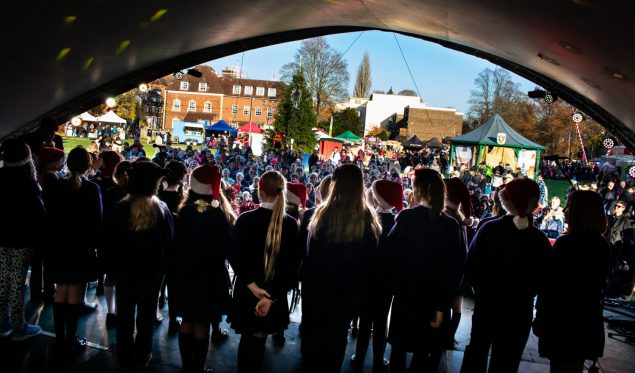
(413, 142)
(221, 126)
(349, 136)
(434, 143)
(496, 142)
(87, 117)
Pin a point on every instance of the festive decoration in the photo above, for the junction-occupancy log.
(577, 128)
(549, 98)
(577, 117)
(608, 143)
(143, 88)
(76, 121)
(111, 102)
(178, 75)
(631, 171)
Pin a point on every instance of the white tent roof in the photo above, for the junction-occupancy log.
(87, 117)
(111, 117)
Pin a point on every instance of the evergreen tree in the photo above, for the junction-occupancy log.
(296, 120)
(390, 92)
(345, 120)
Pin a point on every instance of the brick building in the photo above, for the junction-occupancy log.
(427, 122)
(210, 98)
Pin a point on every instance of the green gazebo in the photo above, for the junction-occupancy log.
(349, 136)
(493, 142)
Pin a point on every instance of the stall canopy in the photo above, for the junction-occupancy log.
(496, 142)
(349, 136)
(434, 143)
(250, 127)
(111, 117)
(413, 142)
(221, 126)
(87, 117)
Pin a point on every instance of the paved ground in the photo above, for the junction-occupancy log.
(36, 355)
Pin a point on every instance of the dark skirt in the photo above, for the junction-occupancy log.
(244, 319)
(200, 299)
(67, 264)
(410, 324)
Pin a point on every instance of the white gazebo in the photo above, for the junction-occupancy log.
(111, 117)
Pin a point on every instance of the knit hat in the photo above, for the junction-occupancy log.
(144, 177)
(16, 153)
(296, 194)
(457, 194)
(205, 180)
(50, 159)
(389, 194)
(520, 198)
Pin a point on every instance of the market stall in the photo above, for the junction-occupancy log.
(496, 142)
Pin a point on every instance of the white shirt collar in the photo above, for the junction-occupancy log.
(267, 205)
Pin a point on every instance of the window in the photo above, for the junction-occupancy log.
(249, 90)
(202, 87)
(260, 91)
(234, 109)
(269, 112)
(272, 92)
(236, 89)
(185, 86)
(258, 111)
(176, 105)
(246, 110)
(191, 106)
(207, 108)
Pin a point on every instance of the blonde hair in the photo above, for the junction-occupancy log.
(144, 212)
(343, 214)
(203, 203)
(78, 162)
(273, 185)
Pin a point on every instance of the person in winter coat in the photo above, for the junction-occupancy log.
(506, 266)
(342, 249)
(21, 219)
(199, 286)
(143, 228)
(264, 260)
(578, 269)
(426, 265)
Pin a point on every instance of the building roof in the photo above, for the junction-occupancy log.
(487, 134)
(209, 76)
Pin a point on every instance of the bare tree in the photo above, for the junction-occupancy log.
(324, 69)
(363, 82)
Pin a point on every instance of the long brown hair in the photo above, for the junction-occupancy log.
(273, 185)
(429, 188)
(203, 203)
(343, 214)
(79, 162)
(585, 212)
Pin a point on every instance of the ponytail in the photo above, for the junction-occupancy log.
(430, 189)
(144, 212)
(273, 181)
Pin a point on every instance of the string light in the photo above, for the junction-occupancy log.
(76, 121)
(143, 88)
(608, 143)
(111, 102)
(631, 171)
(577, 117)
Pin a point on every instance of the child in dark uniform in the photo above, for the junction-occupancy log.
(199, 276)
(342, 249)
(387, 195)
(264, 259)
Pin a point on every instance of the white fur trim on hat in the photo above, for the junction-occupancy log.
(200, 188)
(385, 205)
(21, 162)
(293, 199)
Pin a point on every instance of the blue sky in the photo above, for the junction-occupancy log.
(444, 77)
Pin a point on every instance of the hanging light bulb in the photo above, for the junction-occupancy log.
(76, 121)
(143, 88)
(608, 143)
(178, 75)
(631, 171)
(577, 117)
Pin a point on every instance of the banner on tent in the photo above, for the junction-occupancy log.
(527, 162)
(463, 154)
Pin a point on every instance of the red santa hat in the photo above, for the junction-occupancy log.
(520, 198)
(296, 194)
(457, 195)
(16, 153)
(110, 160)
(50, 159)
(205, 180)
(389, 194)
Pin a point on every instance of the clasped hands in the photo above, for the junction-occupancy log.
(264, 300)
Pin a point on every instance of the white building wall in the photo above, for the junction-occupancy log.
(381, 108)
